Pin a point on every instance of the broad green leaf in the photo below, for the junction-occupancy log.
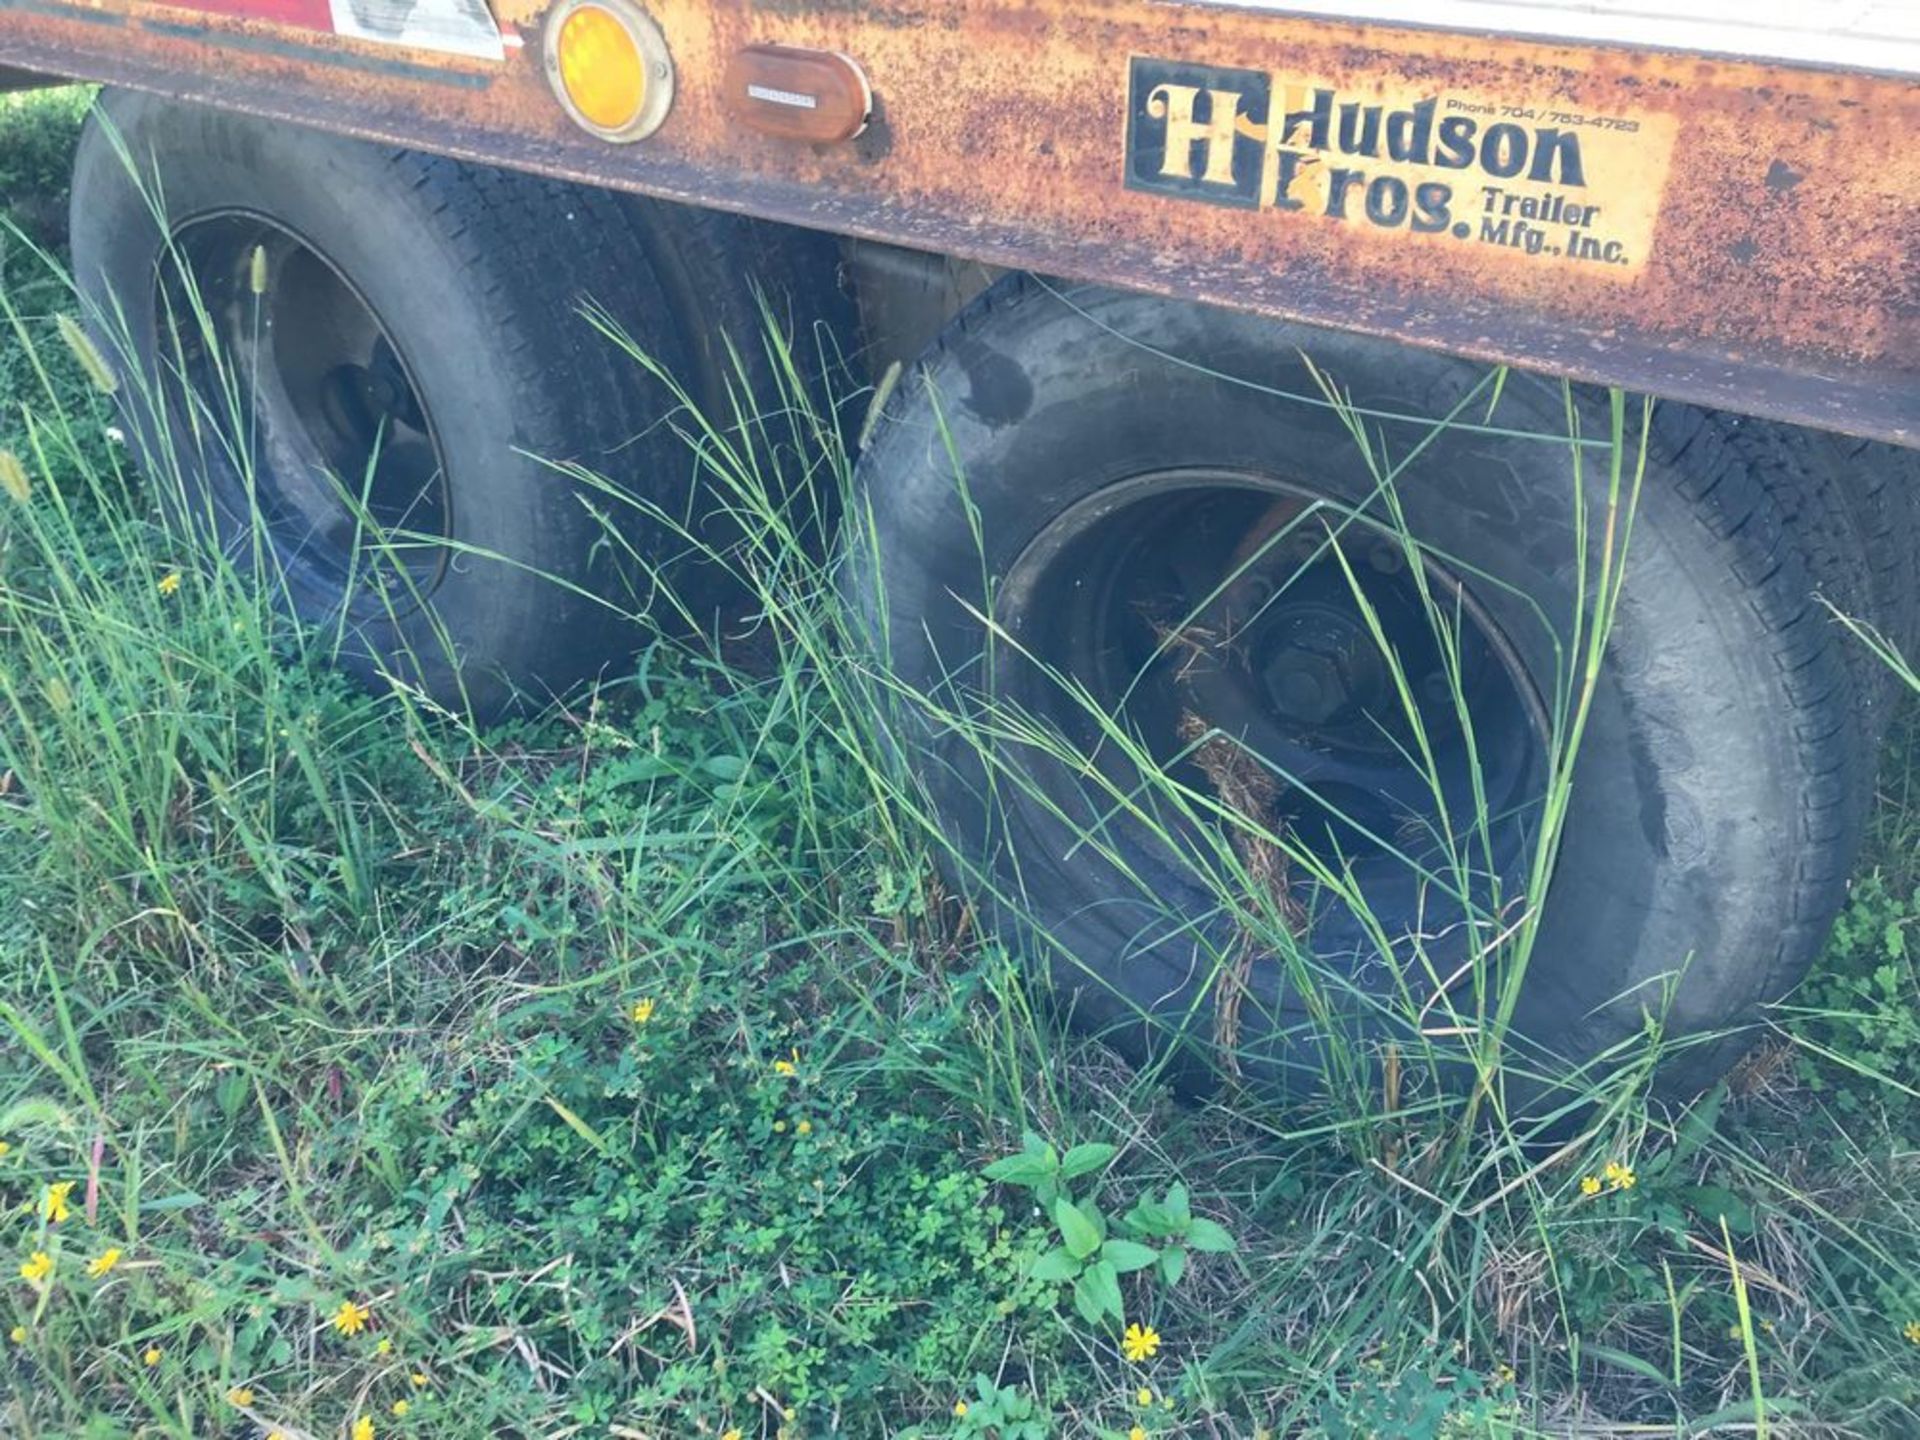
(1698, 1126)
(1055, 1265)
(1104, 1281)
(1081, 1235)
(1744, 1410)
(1149, 1217)
(1083, 1159)
(1091, 1213)
(1177, 1203)
(1173, 1264)
(1207, 1237)
(1127, 1256)
(1027, 1170)
(1087, 1298)
(1624, 1361)
(1716, 1202)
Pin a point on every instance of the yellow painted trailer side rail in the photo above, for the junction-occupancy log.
(1735, 232)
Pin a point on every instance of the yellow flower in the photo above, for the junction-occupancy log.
(53, 1205)
(1620, 1176)
(1140, 1342)
(805, 1127)
(788, 1067)
(5, 1149)
(150, 1357)
(400, 1407)
(1138, 1432)
(417, 1380)
(641, 1012)
(1504, 1373)
(13, 478)
(384, 1347)
(18, 1334)
(1912, 1332)
(37, 1267)
(169, 583)
(1590, 1185)
(240, 1395)
(363, 1428)
(733, 1434)
(959, 1409)
(350, 1319)
(103, 1262)
(1144, 1396)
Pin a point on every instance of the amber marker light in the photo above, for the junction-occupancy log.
(608, 65)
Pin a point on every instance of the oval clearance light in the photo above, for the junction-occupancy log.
(608, 65)
(817, 95)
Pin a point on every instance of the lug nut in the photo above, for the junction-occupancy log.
(1307, 687)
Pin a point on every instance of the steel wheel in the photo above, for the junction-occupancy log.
(345, 468)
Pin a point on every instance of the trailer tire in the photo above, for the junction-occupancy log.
(1718, 797)
(418, 308)
(733, 275)
(1855, 504)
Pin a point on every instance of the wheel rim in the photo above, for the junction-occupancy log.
(347, 473)
(1208, 604)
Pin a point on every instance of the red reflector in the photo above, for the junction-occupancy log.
(307, 14)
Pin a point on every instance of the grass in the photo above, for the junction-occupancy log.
(630, 1069)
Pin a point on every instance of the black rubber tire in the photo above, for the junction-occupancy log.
(478, 277)
(732, 276)
(1718, 798)
(733, 273)
(1855, 505)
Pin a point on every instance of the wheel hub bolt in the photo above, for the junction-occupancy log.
(1306, 686)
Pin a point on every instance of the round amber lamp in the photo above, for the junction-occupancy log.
(608, 64)
(601, 68)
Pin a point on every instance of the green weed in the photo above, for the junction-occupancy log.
(629, 1069)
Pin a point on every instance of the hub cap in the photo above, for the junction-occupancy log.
(1204, 604)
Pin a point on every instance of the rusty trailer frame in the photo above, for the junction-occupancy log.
(1734, 232)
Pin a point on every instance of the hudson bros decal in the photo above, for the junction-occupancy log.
(1535, 181)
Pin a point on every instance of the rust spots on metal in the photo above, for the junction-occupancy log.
(1739, 233)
